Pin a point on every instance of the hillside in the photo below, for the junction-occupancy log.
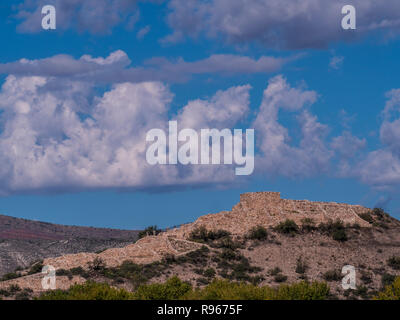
(264, 240)
(23, 241)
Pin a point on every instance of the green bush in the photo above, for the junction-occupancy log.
(227, 290)
(172, 289)
(303, 291)
(88, 291)
(391, 292)
(287, 227)
(257, 233)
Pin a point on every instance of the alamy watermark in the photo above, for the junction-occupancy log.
(49, 19)
(186, 147)
(49, 280)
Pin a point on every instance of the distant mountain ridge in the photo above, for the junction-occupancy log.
(24, 241)
(20, 229)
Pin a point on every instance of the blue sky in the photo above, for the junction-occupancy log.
(53, 167)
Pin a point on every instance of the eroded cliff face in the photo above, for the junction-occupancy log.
(260, 208)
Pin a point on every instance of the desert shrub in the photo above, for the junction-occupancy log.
(394, 262)
(4, 293)
(335, 229)
(274, 271)
(97, 264)
(63, 272)
(387, 279)
(9, 276)
(361, 291)
(302, 291)
(379, 213)
(287, 227)
(197, 257)
(339, 235)
(307, 224)
(202, 235)
(36, 267)
(332, 275)
(257, 233)
(23, 295)
(209, 273)
(367, 217)
(14, 288)
(219, 234)
(280, 277)
(88, 291)
(366, 277)
(202, 281)
(228, 254)
(79, 271)
(301, 266)
(172, 289)
(391, 292)
(152, 230)
(227, 243)
(242, 269)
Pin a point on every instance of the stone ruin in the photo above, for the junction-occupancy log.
(268, 209)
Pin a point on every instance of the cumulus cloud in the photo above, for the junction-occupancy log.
(69, 138)
(47, 144)
(278, 155)
(381, 167)
(289, 24)
(223, 110)
(348, 145)
(116, 67)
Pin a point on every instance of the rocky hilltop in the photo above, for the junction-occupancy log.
(371, 238)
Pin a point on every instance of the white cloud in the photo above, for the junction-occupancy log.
(278, 156)
(143, 32)
(336, 62)
(116, 67)
(47, 145)
(57, 137)
(289, 24)
(381, 167)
